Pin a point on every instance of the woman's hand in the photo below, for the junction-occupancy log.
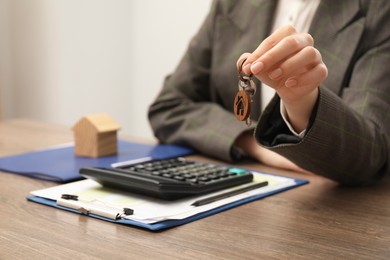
(288, 62)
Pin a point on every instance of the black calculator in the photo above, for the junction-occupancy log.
(169, 178)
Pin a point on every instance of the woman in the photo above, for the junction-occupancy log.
(330, 112)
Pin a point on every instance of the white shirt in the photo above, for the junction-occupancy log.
(300, 14)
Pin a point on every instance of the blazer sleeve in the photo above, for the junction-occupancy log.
(349, 137)
(185, 112)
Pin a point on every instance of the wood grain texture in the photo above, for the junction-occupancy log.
(321, 220)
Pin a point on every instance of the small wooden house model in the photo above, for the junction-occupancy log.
(95, 136)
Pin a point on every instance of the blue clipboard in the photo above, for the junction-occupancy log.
(166, 224)
(61, 164)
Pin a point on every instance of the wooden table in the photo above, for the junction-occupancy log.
(320, 220)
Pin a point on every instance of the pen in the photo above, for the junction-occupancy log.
(228, 194)
(139, 160)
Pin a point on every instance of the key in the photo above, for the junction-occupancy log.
(244, 97)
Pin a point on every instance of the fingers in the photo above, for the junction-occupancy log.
(286, 59)
(297, 64)
(286, 48)
(240, 61)
(267, 45)
(310, 79)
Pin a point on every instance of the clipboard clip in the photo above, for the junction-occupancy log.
(91, 207)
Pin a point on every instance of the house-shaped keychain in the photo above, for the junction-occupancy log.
(95, 136)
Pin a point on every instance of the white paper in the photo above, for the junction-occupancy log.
(152, 210)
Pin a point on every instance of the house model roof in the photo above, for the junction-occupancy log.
(101, 123)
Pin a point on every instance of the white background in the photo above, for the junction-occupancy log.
(62, 59)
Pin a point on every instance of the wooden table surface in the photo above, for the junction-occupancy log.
(321, 220)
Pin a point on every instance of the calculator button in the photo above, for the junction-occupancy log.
(179, 178)
(223, 174)
(213, 176)
(238, 171)
(192, 180)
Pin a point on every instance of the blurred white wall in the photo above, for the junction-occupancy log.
(62, 59)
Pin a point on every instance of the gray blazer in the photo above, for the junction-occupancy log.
(348, 139)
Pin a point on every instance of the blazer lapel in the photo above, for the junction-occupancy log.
(337, 29)
(256, 17)
(243, 28)
(239, 30)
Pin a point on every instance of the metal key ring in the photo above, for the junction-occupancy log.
(240, 74)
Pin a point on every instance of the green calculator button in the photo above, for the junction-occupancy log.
(238, 171)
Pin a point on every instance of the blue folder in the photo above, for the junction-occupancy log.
(162, 225)
(61, 164)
